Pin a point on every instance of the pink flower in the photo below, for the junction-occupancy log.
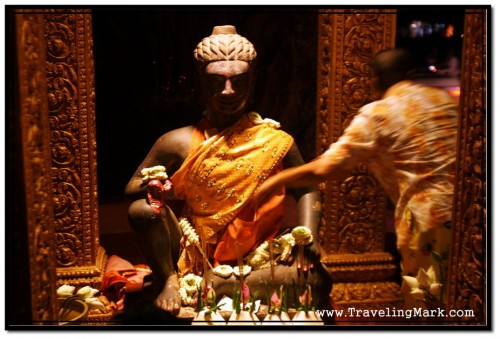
(245, 294)
(275, 300)
(306, 297)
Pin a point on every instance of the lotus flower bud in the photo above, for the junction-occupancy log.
(211, 296)
(275, 300)
(65, 291)
(245, 294)
(86, 292)
(418, 294)
(435, 289)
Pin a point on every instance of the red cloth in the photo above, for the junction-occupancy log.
(120, 276)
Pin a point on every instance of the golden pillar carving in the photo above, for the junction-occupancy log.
(468, 266)
(33, 109)
(71, 97)
(353, 225)
(58, 54)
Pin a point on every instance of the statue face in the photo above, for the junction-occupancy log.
(227, 86)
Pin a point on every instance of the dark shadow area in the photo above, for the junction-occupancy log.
(431, 35)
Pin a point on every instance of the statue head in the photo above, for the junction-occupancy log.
(226, 62)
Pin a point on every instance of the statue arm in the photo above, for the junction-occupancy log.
(308, 197)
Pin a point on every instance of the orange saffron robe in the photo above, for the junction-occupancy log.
(217, 182)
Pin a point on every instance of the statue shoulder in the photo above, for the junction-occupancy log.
(176, 141)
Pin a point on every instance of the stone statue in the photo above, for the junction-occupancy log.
(215, 167)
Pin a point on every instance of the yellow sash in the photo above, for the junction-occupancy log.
(219, 176)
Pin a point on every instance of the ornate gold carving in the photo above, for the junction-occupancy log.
(70, 80)
(353, 222)
(348, 39)
(36, 155)
(361, 226)
(373, 266)
(84, 275)
(468, 267)
(367, 293)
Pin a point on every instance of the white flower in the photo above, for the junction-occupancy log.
(223, 271)
(435, 289)
(65, 291)
(424, 284)
(94, 303)
(257, 119)
(418, 293)
(423, 278)
(302, 235)
(190, 282)
(86, 292)
(412, 282)
(184, 297)
(246, 270)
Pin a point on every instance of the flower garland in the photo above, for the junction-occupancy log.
(189, 232)
(188, 289)
(192, 238)
(260, 258)
(154, 173)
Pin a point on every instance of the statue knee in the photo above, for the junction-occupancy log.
(141, 215)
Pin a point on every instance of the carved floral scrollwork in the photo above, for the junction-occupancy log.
(358, 201)
(468, 269)
(35, 149)
(60, 37)
(71, 99)
(356, 238)
(62, 83)
(68, 248)
(364, 31)
(370, 291)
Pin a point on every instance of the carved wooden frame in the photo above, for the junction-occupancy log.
(469, 261)
(36, 165)
(353, 224)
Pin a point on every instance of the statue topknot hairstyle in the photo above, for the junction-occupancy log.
(224, 44)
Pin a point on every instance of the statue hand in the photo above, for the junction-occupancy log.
(312, 257)
(157, 192)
